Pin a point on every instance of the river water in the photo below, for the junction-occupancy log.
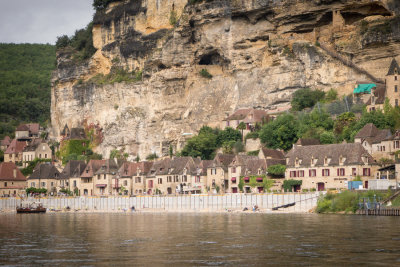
(106, 239)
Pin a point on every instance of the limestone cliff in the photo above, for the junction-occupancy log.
(258, 53)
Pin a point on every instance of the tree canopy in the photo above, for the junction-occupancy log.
(307, 98)
(25, 73)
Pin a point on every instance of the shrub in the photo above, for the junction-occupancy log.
(306, 98)
(204, 73)
(289, 184)
(173, 18)
(253, 153)
(277, 170)
(252, 135)
(152, 156)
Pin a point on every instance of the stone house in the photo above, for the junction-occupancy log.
(133, 174)
(5, 143)
(70, 177)
(88, 177)
(371, 138)
(171, 176)
(325, 167)
(388, 147)
(267, 153)
(198, 181)
(73, 133)
(12, 181)
(27, 131)
(217, 173)
(377, 98)
(14, 151)
(236, 169)
(45, 175)
(37, 148)
(393, 83)
(249, 116)
(105, 180)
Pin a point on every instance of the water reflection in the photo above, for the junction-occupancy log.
(197, 239)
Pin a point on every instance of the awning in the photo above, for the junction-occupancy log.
(246, 178)
(364, 88)
(233, 179)
(259, 179)
(101, 185)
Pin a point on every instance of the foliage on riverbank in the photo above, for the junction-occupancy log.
(347, 201)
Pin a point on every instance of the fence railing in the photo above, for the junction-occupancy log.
(304, 202)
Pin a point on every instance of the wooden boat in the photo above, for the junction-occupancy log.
(31, 207)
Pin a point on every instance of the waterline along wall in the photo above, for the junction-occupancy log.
(304, 202)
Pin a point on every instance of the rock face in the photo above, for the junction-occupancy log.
(258, 53)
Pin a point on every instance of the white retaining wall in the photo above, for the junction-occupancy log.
(304, 202)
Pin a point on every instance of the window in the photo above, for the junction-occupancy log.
(312, 173)
(397, 144)
(395, 78)
(104, 176)
(233, 169)
(301, 174)
(197, 179)
(5, 184)
(98, 177)
(51, 184)
(227, 123)
(396, 102)
(74, 183)
(293, 174)
(159, 180)
(137, 180)
(366, 171)
(325, 172)
(395, 88)
(341, 172)
(33, 184)
(43, 184)
(125, 183)
(45, 155)
(184, 178)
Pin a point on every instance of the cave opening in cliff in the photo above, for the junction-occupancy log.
(353, 14)
(213, 58)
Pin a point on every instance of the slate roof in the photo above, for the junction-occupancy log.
(45, 171)
(160, 167)
(15, 147)
(7, 172)
(271, 162)
(272, 153)
(352, 153)
(307, 142)
(33, 128)
(242, 160)
(77, 134)
(252, 166)
(394, 67)
(74, 168)
(92, 167)
(204, 164)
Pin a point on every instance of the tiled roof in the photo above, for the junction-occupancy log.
(73, 169)
(22, 127)
(273, 153)
(6, 141)
(7, 172)
(204, 164)
(271, 162)
(249, 115)
(239, 114)
(15, 147)
(372, 134)
(92, 167)
(160, 167)
(109, 166)
(223, 161)
(351, 153)
(379, 94)
(33, 145)
(394, 68)
(242, 160)
(33, 128)
(77, 133)
(307, 142)
(45, 171)
(129, 169)
(252, 167)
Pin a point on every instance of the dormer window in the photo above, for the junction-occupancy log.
(259, 171)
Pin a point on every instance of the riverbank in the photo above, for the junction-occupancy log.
(183, 203)
(348, 201)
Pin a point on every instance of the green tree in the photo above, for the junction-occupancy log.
(137, 158)
(281, 133)
(306, 98)
(152, 156)
(327, 138)
(277, 170)
(242, 127)
(227, 135)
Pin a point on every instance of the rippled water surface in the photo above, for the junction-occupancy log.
(197, 239)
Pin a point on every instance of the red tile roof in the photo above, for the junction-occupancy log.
(6, 141)
(7, 172)
(16, 147)
(23, 127)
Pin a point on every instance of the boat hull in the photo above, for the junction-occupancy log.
(27, 210)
